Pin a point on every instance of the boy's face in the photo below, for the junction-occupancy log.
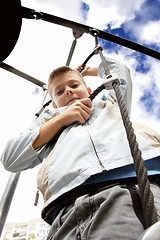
(67, 88)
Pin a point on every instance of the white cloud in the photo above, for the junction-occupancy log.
(114, 12)
(150, 33)
(100, 13)
(143, 83)
(66, 9)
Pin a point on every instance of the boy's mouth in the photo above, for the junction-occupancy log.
(72, 101)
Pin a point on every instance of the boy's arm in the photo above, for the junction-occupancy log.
(78, 112)
(19, 153)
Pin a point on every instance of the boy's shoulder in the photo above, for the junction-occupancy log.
(51, 111)
(48, 114)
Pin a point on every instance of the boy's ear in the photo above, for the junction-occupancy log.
(54, 105)
(89, 90)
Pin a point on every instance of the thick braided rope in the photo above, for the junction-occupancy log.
(146, 195)
(104, 62)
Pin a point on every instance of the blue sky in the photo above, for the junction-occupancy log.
(43, 46)
(147, 14)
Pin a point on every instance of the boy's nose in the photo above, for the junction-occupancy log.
(68, 92)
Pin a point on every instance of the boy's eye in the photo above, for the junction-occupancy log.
(75, 85)
(59, 92)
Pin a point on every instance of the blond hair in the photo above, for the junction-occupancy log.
(59, 71)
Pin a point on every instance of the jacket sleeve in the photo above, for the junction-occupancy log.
(19, 154)
(124, 76)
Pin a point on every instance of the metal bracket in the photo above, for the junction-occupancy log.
(97, 49)
(109, 80)
(45, 87)
(94, 32)
(77, 33)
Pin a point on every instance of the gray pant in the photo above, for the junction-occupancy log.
(105, 215)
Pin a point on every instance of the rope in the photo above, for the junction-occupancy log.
(104, 62)
(87, 59)
(146, 195)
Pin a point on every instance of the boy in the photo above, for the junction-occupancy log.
(84, 177)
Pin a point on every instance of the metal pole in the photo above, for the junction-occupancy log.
(21, 74)
(76, 34)
(11, 186)
(7, 198)
(71, 52)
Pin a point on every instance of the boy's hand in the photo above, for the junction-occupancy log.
(78, 112)
(82, 70)
(87, 70)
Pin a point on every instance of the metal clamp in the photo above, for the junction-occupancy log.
(97, 49)
(93, 31)
(110, 79)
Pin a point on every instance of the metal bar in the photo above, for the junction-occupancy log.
(7, 198)
(41, 106)
(71, 52)
(22, 74)
(87, 29)
(77, 34)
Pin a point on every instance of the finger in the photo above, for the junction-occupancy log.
(87, 109)
(80, 107)
(87, 102)
(85, 113)
(81, 114)
(79, 68)
(80, 119)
